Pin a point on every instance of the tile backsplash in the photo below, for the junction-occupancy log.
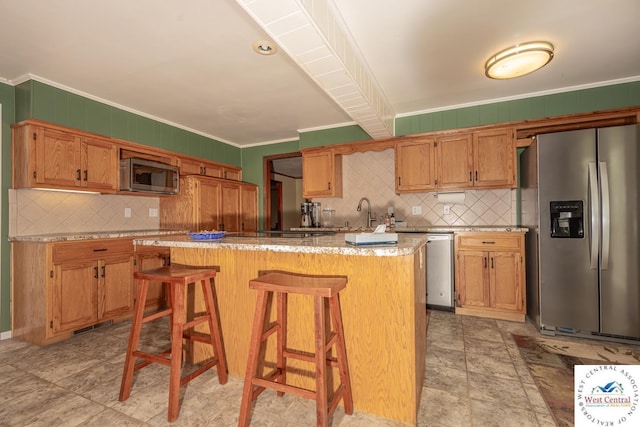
(35, 212)
(371, 175)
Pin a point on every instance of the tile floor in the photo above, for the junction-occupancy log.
(475, 376)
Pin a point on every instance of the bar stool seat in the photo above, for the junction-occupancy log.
(321, 288)
(176, 277)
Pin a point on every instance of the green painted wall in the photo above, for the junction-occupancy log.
(35, 100)
(580, 101)
(7, 97)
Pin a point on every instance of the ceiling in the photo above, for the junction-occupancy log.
(190, 64)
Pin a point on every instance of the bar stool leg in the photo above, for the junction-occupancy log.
(134, 339)
(211, 305)
(341, 353)
(281, 338)
(321, 362)
(177, 293)
(252, 362)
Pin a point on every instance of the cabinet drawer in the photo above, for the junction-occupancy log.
(489, 241)
(91, 249)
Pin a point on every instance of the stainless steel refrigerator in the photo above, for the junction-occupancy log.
(580, 199)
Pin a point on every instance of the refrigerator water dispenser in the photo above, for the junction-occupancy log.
(567, 219)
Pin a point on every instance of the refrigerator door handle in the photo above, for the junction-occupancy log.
(595, 214)
(606, 227)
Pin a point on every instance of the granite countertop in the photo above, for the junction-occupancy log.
(65, 237)
(427, 229)
(328, 244)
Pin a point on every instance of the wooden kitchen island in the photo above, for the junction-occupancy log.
(383, 308)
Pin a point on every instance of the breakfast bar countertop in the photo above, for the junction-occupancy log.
(312, 244)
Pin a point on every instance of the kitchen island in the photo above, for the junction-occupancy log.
(383, 308)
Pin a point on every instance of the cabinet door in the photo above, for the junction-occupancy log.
(455, 157)
(494, 158)
(100, 165)
(230, 206)
(505, 283)
(472, 279)
(248, 207)
(321, 174)
(415, 165)
(212, 170)
(75, 295)
(115, 289)
(232, 174)
(155, 291)
(209, 202)
(190, 167)
(58, 158)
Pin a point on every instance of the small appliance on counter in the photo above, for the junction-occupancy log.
(310, 212)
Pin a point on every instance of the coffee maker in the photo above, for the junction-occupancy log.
(310, 214)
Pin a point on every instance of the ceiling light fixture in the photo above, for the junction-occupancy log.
(519, 60)
(264, 47)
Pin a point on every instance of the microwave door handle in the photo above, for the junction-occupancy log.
(606, 226)
(595, 215)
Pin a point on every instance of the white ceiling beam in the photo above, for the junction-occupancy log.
(313, 34)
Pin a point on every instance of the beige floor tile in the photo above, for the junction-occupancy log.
(440, 408)
(495, 414)
(491, 388)
(491, 366)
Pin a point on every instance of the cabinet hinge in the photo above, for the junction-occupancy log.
(34, 136)
(135, 261)
(35, 174)
(435, 144)
(51, 274)
(51, 324)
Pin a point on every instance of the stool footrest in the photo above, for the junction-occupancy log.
(197, 336)
(284, 388)
(273, 328)
(154, 316)
(149, 358)
(307, 357)
(195, 322)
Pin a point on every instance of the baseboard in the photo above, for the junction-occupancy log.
(491, 314)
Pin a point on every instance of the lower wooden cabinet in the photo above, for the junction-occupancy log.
(490, 275)
(61, 287)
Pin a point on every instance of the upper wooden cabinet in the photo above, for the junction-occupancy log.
(321, 174)
(415, 165)
(46, 157)
(456, 161)
(455, 157)
(195, 166)
(494, 158)
(482, 159)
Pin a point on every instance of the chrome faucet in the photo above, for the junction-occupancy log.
(370, 219)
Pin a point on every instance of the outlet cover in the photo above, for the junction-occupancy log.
(416, 210)
(447, 209)
(153, 212)
(127, 212)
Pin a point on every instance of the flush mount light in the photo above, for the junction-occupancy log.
(264, 47)
(519, 60)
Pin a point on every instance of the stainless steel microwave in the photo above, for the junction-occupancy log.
(147, 176)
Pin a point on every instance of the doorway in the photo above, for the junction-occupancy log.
(283, 179)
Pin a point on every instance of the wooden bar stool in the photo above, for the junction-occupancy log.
(319, 287)
(177, 278)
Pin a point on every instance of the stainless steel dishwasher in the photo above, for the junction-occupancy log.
(440, 271)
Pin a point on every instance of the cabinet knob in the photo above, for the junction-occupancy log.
(78, 178)
(86, 175)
